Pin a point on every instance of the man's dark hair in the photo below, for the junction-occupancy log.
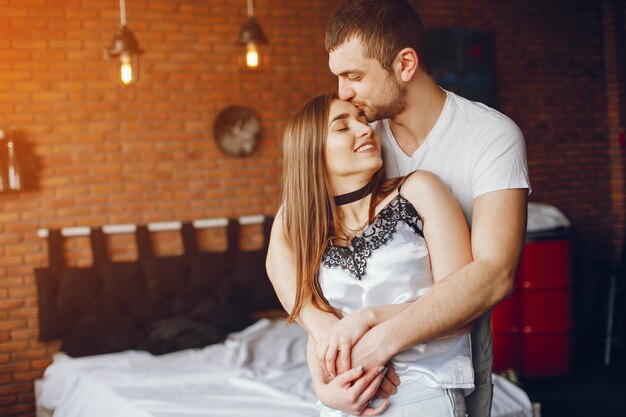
(384, 27)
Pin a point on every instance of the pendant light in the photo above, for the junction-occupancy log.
(251, 36)
(126, 49)
(11, 170)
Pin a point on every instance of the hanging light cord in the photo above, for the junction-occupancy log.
(123, 12)
(250, 9)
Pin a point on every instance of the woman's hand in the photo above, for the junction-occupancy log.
(339, 339)
(352, 391)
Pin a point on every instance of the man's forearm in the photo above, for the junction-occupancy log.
(381, 313)
(498, 227)
(450, 305)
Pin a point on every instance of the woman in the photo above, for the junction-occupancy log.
(364, 248)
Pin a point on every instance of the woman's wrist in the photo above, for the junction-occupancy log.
(320, 326)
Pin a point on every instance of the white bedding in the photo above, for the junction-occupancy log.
(260, 371)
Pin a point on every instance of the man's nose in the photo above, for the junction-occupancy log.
(345, 90)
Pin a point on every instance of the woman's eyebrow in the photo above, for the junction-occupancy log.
(338, 117)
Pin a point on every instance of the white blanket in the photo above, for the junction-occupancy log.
(260, 371)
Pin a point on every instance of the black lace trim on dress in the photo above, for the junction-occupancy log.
(353, 258)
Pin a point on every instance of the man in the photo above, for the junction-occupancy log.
(377, 49)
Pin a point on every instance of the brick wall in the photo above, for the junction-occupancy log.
(108, 154)
(614, 24)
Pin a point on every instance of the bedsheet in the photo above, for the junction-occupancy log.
(260, 371)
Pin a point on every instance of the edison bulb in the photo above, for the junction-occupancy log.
(126, 69)
(252, 55)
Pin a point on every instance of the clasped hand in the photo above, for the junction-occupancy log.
(353, 340)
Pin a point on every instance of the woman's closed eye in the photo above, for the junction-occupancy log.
(340, 127)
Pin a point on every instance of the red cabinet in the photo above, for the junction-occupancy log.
(532, 329)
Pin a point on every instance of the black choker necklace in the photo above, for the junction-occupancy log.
(348, 198)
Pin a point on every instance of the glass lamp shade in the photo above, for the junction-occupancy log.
(251, 36)
(125, 52)
(127, 68)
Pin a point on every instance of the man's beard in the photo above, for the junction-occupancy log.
(390, 103)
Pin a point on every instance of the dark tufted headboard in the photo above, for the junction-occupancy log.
(158, 304)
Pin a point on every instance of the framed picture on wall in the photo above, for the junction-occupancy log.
(462, 62)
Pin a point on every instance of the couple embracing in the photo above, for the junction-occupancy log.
(371, 251)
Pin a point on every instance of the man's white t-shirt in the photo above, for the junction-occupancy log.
(473, 148)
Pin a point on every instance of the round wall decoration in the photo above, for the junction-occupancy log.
(237, 130)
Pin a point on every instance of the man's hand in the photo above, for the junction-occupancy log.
(370, 351)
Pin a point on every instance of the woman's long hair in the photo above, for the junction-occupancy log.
(310, 216)
(306, 199)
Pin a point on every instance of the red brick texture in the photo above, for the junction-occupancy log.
(99, 153)
(108, 154)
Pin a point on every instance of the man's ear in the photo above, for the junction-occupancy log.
(407, 63)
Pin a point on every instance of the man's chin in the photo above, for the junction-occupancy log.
(381, 114)
(372, 117)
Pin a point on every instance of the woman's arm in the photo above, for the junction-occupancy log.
(281, 269)
(445, 228)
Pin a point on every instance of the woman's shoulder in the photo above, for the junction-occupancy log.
(421, 181)
(425, 190)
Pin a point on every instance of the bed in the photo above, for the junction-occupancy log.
(118, 360)
(260, 371)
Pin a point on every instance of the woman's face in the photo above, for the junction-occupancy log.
(352, 147)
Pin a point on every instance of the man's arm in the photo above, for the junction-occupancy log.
(499, 225)
(280, 265)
